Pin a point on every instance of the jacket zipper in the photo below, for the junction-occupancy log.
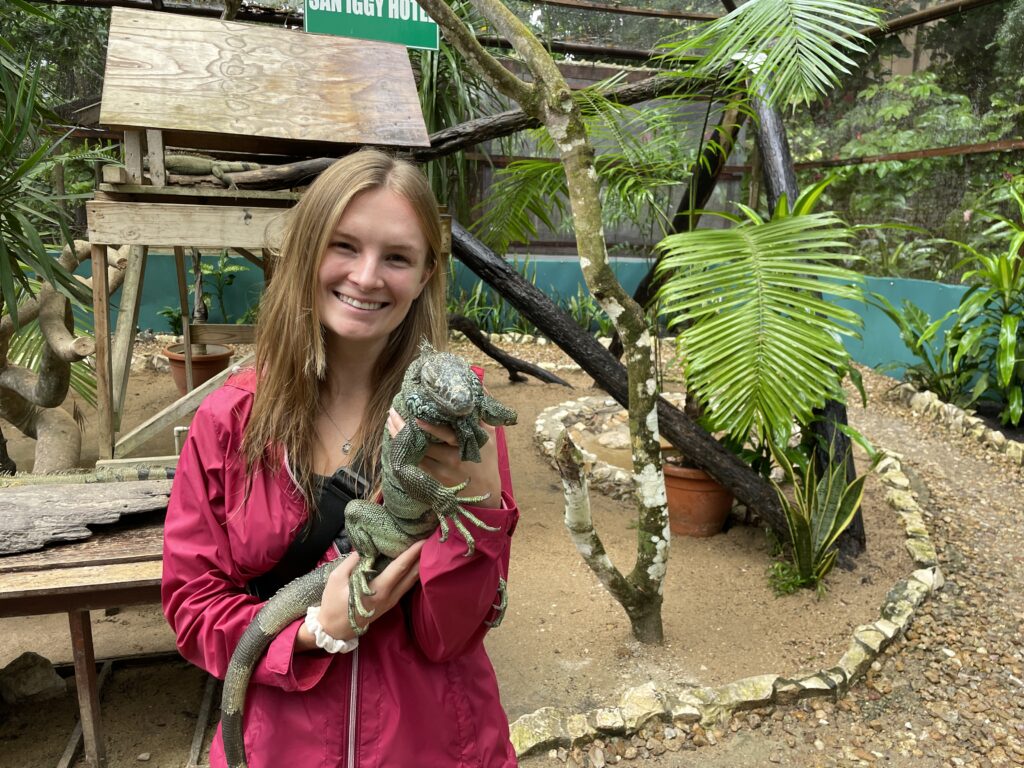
(350, 746)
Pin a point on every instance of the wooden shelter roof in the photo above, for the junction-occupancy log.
(218, 84)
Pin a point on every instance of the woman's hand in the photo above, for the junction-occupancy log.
(442, 461)
(389, 585)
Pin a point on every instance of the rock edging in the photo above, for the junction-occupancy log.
(701, 707)
(956, 420)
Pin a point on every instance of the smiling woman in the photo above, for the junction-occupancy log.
(262, 488)
(374, 267)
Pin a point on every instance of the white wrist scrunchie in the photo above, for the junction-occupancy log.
(323, 640)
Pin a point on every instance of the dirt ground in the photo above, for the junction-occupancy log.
(564, 641)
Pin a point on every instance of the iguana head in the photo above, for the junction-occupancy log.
(448, 383)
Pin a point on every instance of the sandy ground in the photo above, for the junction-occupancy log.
(564, 641)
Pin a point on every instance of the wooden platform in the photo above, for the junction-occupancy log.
(117, 569)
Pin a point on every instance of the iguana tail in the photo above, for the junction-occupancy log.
(287, 605)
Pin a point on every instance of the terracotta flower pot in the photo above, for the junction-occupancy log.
(697, 505)
(204, 367)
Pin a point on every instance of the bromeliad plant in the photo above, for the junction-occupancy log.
(821, 508)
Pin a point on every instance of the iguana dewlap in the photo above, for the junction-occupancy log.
(439, 388)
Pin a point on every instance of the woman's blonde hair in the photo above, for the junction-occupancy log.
(291, 355)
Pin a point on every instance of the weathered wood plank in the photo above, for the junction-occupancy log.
(132, 148)
(173, 413)
(170, 224)
(60, 581)
(155, 155)
(31, 516)
(130, 545)
(222, 333)
(190, 74)
(124, 329)
(101, 321)
(192, 194)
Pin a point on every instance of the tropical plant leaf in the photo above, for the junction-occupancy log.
(761, 346)
(789, 50)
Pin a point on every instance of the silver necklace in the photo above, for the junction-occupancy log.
(346, 447)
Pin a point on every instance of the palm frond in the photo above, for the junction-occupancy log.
(761, 346)
(790, 50)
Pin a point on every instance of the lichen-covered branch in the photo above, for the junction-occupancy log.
(580, 524)
(552, 103)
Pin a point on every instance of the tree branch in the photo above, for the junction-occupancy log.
(513, 365)
(460, 36)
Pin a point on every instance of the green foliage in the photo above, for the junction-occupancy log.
(29, 211)
(820, 510)
(642, 157)
(991, 312)
(487, 308)
(222, 274)
(587, 313)
(173, 316)
(760, 344)
(789, 50)
(889, 251)
(451, 93)
(68, 43)
(952, 380)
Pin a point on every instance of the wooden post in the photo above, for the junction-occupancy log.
(101, 312)
(186, 336)
(155, 155)
(124, 332)
(88, 689)
(133, 156)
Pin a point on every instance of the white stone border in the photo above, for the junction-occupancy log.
(956, 420)
(549, 727)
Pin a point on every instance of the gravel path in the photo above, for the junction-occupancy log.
(951, 692)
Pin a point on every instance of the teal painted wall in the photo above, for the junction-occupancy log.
(160, 289)
(562, 277)
(880, 340)
(558, 276)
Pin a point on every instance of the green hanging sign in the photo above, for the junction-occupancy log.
(390, 21)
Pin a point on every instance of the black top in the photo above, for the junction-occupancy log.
(333, 495)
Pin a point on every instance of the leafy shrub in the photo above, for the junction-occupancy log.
(820, 510)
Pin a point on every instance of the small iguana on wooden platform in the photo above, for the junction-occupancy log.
(200, 165)
(127, 473)
(439, 388)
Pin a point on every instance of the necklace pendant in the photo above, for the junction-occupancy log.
(346, 447)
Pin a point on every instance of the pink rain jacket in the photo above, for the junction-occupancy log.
(419, 691)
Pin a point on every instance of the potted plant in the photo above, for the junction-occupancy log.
(760, 347)
(698, 505)
(207, 359)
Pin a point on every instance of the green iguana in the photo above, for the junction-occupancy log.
(199, 165)
(439, 388)
(126, 473)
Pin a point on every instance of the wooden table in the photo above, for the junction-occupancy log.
(109, 570)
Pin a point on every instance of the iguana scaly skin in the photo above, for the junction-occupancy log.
(104, 475)
(439, 388)
(198, 165)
